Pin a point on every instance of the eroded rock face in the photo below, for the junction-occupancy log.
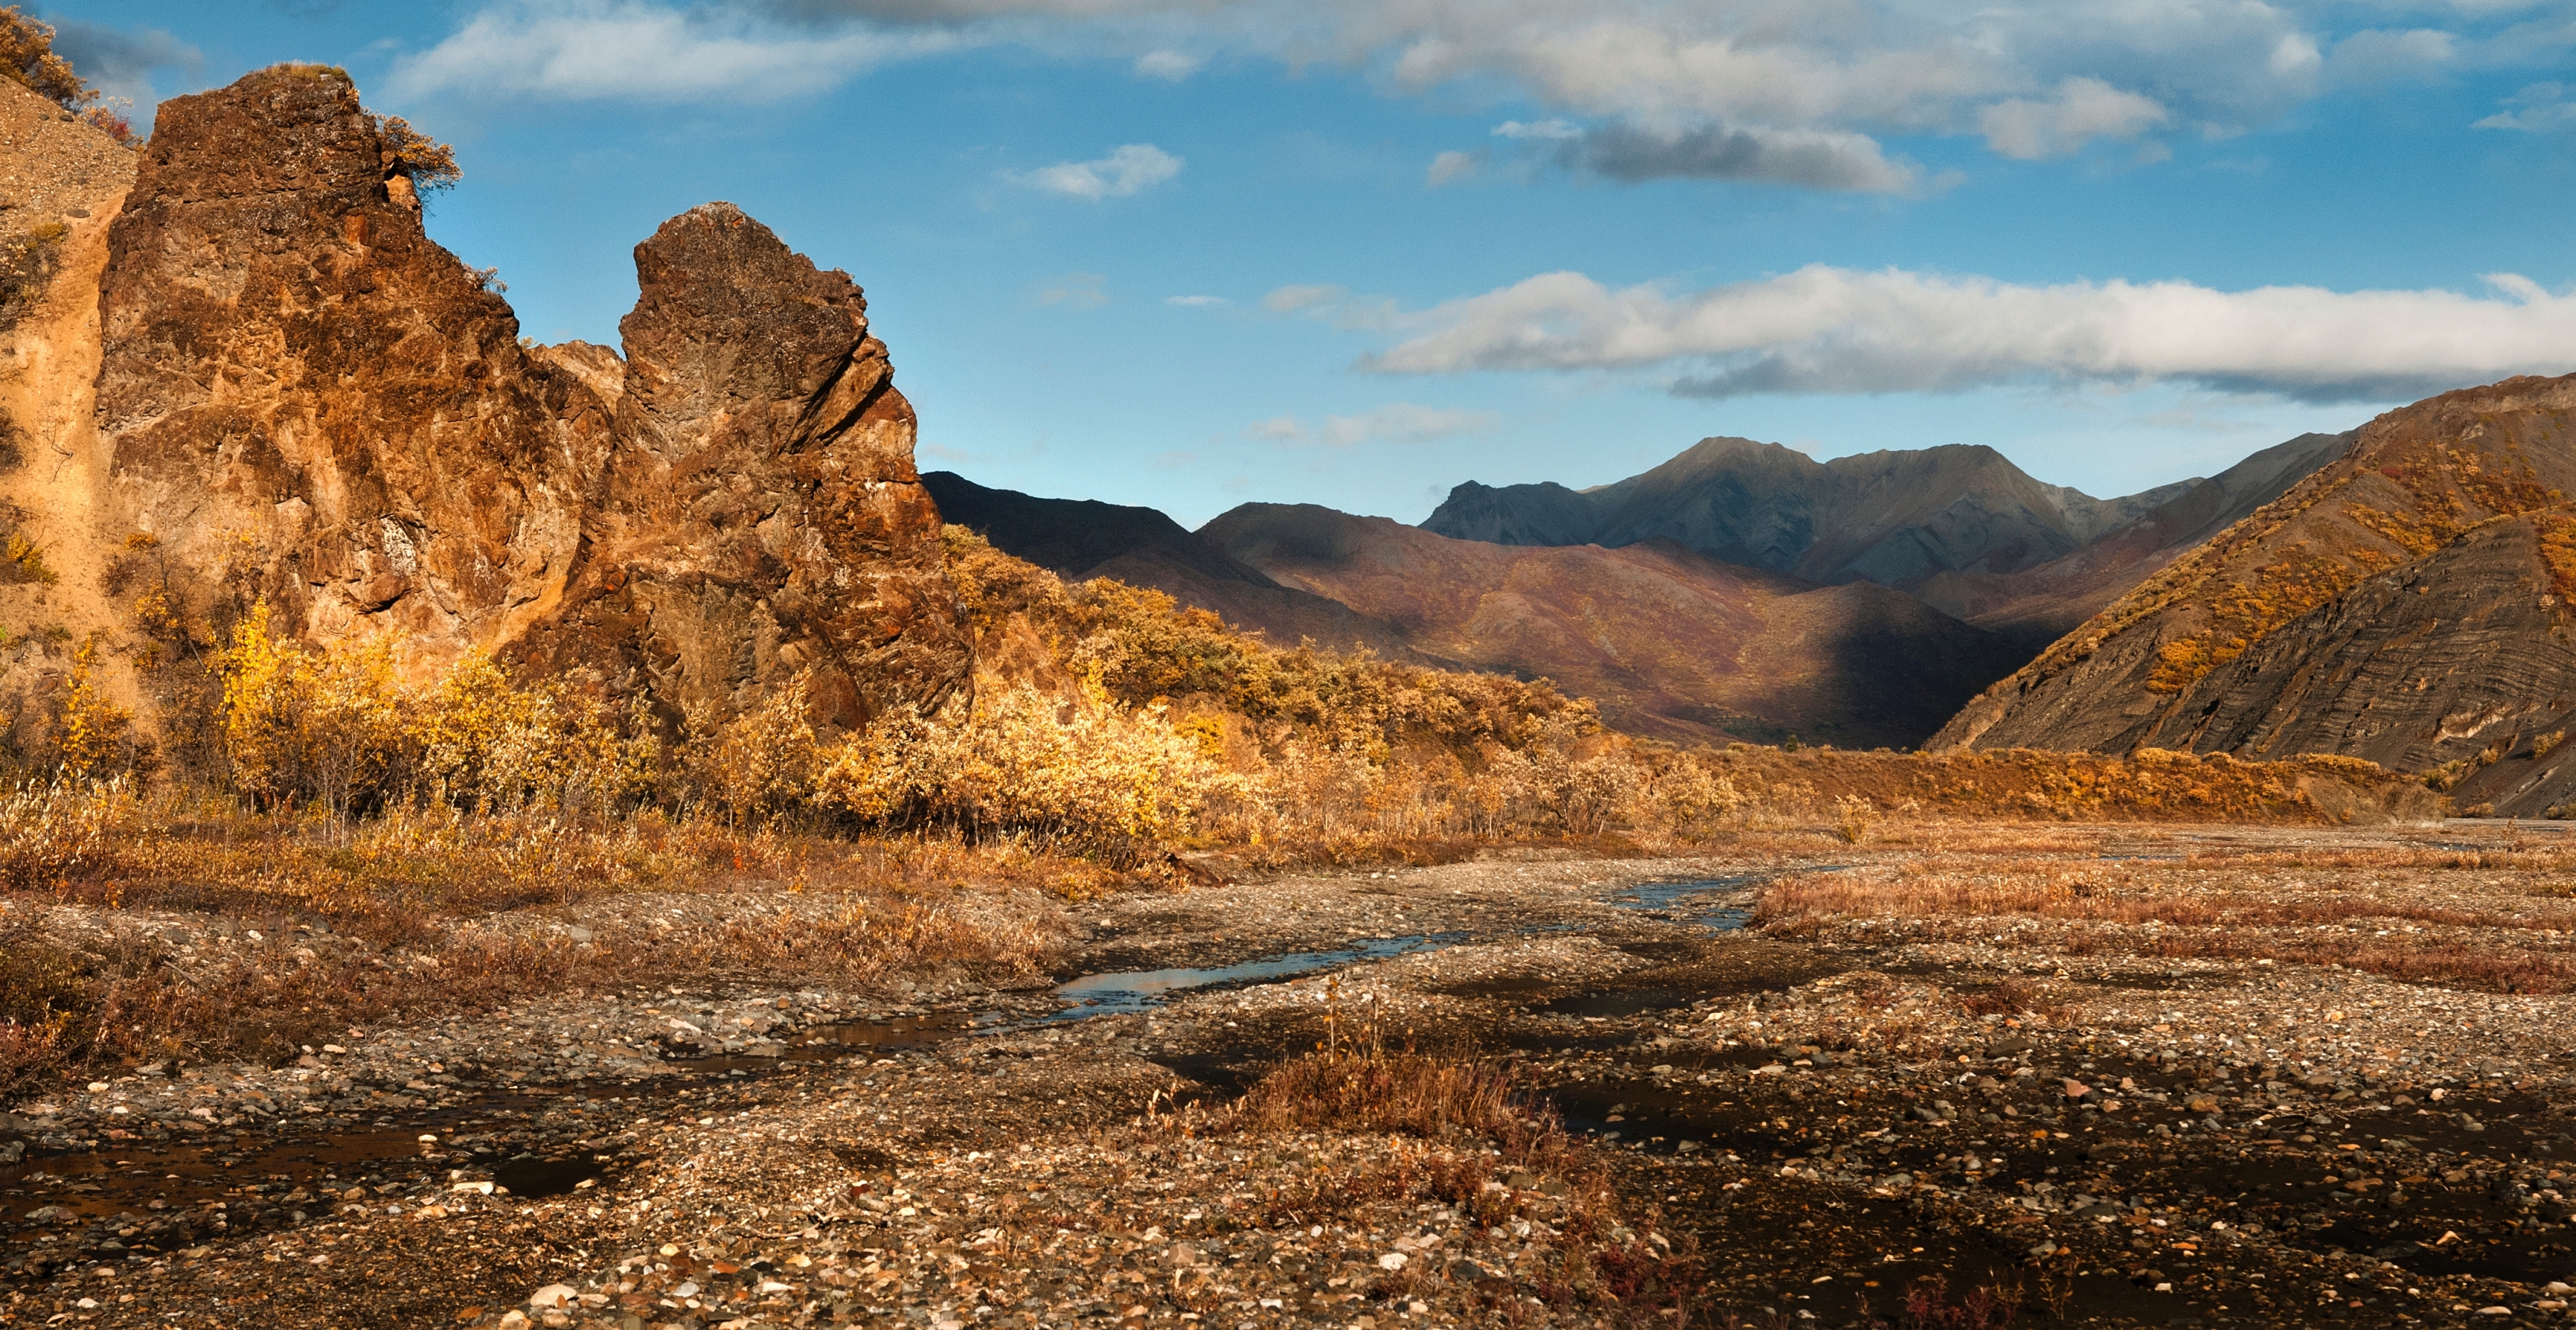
(307, 401)
(761, 514)
(310, 402)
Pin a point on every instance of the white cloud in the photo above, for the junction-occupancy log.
(1196, 302)
(1128, 169)
(1451, 167)
(1726, 89)
(2537, 108)
(1277, 429)
(629, 49)
(1406, 422)
(1816, 159)
(120, 62)
(2083, 109)
(1172, 65)
(1290, 299)
(1823, 329)
(1076, 290)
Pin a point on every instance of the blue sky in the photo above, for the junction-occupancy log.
(1191, 253)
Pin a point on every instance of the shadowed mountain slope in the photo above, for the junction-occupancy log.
(1669, 642)
(1081, 539)
(1959, 526)
(1894, 518)
(2037, 606)
(2407, 604)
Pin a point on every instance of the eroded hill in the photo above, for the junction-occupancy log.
(2407, 604)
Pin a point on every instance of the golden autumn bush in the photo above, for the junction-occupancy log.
(340, 730)
(1077, 774)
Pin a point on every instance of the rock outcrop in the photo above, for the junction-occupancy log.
(760, 514)
(2407, 604)
(308, 401)
(1669, 642)
(300, 399)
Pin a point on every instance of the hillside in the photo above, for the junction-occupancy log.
(2039, 605)
(2407, 604)
(1079, 539)
(1958, 526)
(1668, 642)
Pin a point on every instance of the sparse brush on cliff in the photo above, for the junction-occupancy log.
(428, 164)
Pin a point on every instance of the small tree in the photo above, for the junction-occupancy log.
(27, 55)
(428, 164)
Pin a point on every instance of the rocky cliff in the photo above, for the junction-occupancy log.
(300, 399)
(2408, 604)
(1669, 642)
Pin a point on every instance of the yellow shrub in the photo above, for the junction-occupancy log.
(339, 728)
(763, 763)
(488, 745)
(1075, 774)
(94, 736)
(300, 728)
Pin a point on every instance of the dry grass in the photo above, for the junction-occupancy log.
(1485, 1142)
(443, 913)
(2466, 919)
(1798, 906)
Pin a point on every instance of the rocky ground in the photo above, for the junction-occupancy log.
(2072, 1076)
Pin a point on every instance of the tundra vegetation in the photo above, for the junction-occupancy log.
(1113, 740)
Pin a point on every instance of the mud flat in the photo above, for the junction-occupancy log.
(2109, 1076)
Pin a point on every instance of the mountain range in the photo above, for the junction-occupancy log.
(1741, 590)
(1958, 526)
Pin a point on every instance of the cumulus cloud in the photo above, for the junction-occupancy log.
(2082, 110)
(1196, 302)
(121, 61)
(1277, 429)
(1817, 159)
(1835, 330)
(1128, 169)
(629, 49)
(2539, 107)
(1638, 89)
(1290, 299)
(2376, 56)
